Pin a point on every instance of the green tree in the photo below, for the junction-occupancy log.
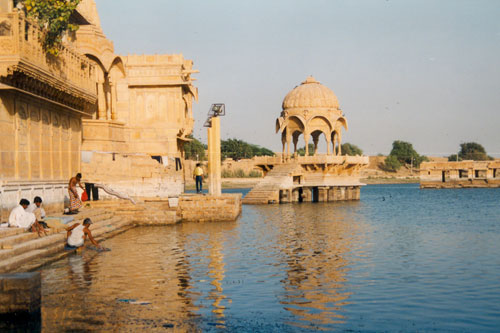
(350, 149)
(473, 151)
(239, 149)
(194, 149)
(454, 158)
(302, 151)
(53, 17)
(391, 163)
(405, 153)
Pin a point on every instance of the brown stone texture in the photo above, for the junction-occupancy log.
(208, 208)
(20, 292)
(460, 174)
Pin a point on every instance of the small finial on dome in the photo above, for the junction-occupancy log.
(310, 79)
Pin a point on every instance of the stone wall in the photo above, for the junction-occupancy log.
(20, 293)
(135, 175)
(207, 208)
(37, 140)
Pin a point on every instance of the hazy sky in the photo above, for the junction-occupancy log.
(427, 72)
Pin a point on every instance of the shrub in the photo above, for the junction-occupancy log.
(391, 163)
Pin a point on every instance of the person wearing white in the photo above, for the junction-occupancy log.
(76, 234)
(36, 208)
(20, 218)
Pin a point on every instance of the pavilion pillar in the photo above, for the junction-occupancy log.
(315, 141)
(214, 158)
(328, 152)
(306, 140)
(288, 141)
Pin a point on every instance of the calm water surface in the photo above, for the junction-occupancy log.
(401, 259)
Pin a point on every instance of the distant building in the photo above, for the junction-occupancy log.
(460, 174)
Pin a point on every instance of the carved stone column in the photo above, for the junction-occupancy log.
(315, 141)
(328, 141)
(101, 101)
(306, 140)
(112, 87)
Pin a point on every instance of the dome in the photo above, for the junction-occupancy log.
(311, 94)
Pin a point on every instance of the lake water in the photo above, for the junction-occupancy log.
(401, 259)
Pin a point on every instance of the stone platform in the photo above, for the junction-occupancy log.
(319, 178)
(209, 208)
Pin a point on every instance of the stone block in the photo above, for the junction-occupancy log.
(21, 292)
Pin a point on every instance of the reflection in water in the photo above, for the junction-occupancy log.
(94, 290)
(315, 245)
(421, 261)
(286, 261)
(208, 240)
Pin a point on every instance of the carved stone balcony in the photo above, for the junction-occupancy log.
(67, 79)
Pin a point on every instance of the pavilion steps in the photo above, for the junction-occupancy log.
(26, 249)
(267, 190)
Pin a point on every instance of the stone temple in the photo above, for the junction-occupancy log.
(120, 120)
(309, 111)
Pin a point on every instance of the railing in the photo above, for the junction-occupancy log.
(20, 37)
(317, 159)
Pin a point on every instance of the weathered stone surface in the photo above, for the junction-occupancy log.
(21, 292)
(208, 208)
(460, 174)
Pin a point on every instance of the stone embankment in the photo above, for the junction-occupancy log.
(22, 251)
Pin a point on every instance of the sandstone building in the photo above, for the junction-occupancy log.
(460, 174)
(120, 120)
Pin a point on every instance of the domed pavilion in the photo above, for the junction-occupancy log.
(310, 110)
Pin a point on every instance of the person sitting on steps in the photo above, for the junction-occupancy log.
(20, 218)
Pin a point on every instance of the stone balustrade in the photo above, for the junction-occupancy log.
(316, 159)
(21, 50)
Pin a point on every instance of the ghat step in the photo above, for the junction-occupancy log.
(26, 248)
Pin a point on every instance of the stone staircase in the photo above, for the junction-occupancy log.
(24, 251)
(268, 189)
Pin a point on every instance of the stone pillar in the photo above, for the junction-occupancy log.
(328, 141)
(322, 194)
(315, 141)
(295, 195)
(214, 158)
(331, 194)
(288, 141)
(306, 140)
(285, 196)
(101, 101)
(112, 87)
(306, 194)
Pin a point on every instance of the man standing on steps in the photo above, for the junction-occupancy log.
(198, 176)
(74, 201)
(77, 233)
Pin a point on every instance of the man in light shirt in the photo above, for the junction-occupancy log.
(20, 218)
(36, 208)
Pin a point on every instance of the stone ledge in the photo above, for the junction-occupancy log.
(209, 208)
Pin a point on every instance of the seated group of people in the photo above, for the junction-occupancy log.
(28, 216)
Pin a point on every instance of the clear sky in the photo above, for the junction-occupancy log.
(423, 71)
